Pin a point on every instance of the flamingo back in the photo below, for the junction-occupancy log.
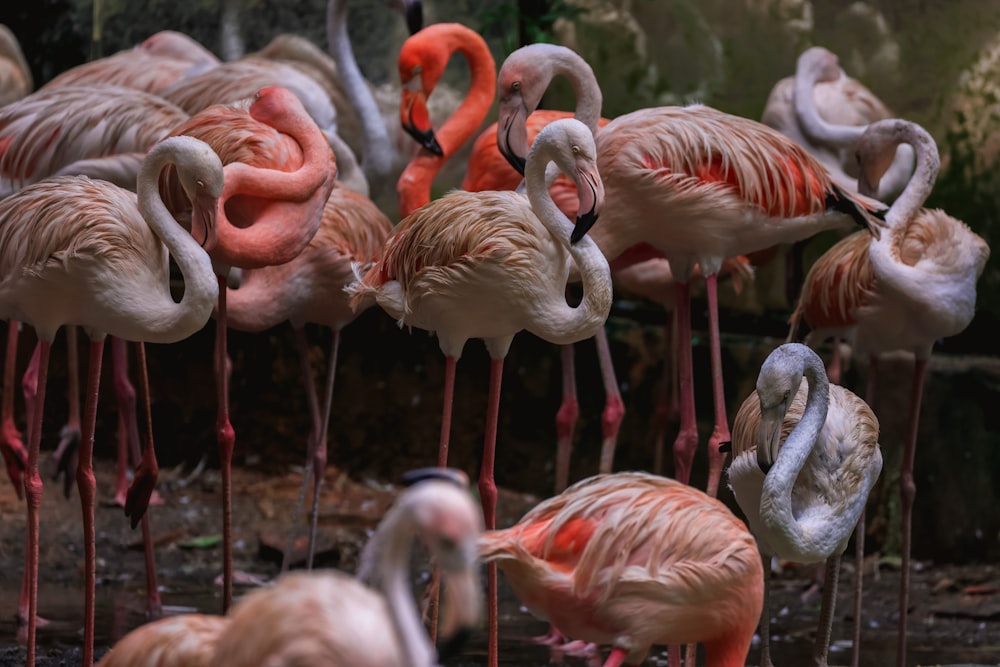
(55, 127)
(15, 75)
(178, 641)
(133, 68)
(837, 285)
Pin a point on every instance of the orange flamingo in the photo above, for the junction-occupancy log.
(915, 285)
(699, 185)
(805, 458)
(15, 75)
(310, 289)
(279, 174)
(73, 250)
(489, 264)
(632, 560)
(320, 618)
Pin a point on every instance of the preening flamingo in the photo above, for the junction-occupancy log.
(912, 287)
(633, 559)
(73, 250)
(279, 174)
(699, 185)
(805, 457)
(489, 264)
(330, 619)
(838, 100)
(310, 289)
(15, 75)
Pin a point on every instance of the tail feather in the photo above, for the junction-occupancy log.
(868, 216)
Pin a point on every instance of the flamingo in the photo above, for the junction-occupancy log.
(330, 618)
(489, 264)
(279, 174)
(805, 457)
(699, 185)
(487, 170)
(632, 559)
(15, 75)
(310, 288)
(915, 285)
(180, 46)
(73, 250)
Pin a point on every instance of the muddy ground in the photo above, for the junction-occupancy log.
(954, 618)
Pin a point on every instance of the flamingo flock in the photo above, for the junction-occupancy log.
(238, 175)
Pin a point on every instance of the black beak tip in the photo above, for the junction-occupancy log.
(726, 447)
(583, 224)
(450, 647)
(456, 477)
(425, 138)
(414, 16)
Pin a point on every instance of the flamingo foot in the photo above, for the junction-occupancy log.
(121, 498)
(65, 458)
(139, 496)
(15, 457)
(551, 638)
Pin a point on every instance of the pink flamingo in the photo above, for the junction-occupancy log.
(15, 75)
(330, 618)
(489, 264)
(279, 174)
(632, 560)
(805, 458)
(77, 250)
(310, 288)
(428, 52)
(915, 285)
(699, 185)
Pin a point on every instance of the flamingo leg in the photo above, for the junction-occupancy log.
(226, 438)
(302, 344)
(139, 494)
(146, 472)
(87, 485)
(127, 427)
(859, 537)
(69, 437)
(566, 417)
(908, 492)
(687, 437)
(15, 456)
(666, 405)
(765, 615)
(616, 657)
(720, 433)
(825, 628)
(449, 399)
(488, 497)
(33, 486)
(614, 408)
(320, 455)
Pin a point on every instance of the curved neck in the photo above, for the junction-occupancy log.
(780, 479)
(392, 551)
(414, 185)
(589, 98)
(201, 288)
(563, 324)
(378, 151)
(913, 196)
(812, 124)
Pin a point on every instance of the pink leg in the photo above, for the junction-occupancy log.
(488, 497)
(908, 491)
(566, 418)
(15, 456)
(226, 437)
(128, 428)
(687, 438)
(666, 405)
(616, 658)
(33, 486)
(146, 472)
(69, 436)
(449, 398)
(320, 455)
(313, 402)
(87, 485)
(614, 408)
(765, 616)
(859, 538)
(720, 433)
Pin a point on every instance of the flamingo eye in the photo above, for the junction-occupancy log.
(200, 183)
(417, 69)
(576, 149)
(516, 86)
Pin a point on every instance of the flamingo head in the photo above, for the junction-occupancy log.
(521, 85)
(876, 151)
(777, 384)
(822, 64)
(576, 155)
(275, 106)
(420, 69)
(200, 174)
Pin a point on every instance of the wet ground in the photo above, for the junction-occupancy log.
(955, 617)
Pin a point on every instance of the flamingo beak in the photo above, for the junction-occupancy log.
(769, 436)
(414, 15)
(461, 606)
(203, 224)
(416, 121)
(512, 132)
(590, 191)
